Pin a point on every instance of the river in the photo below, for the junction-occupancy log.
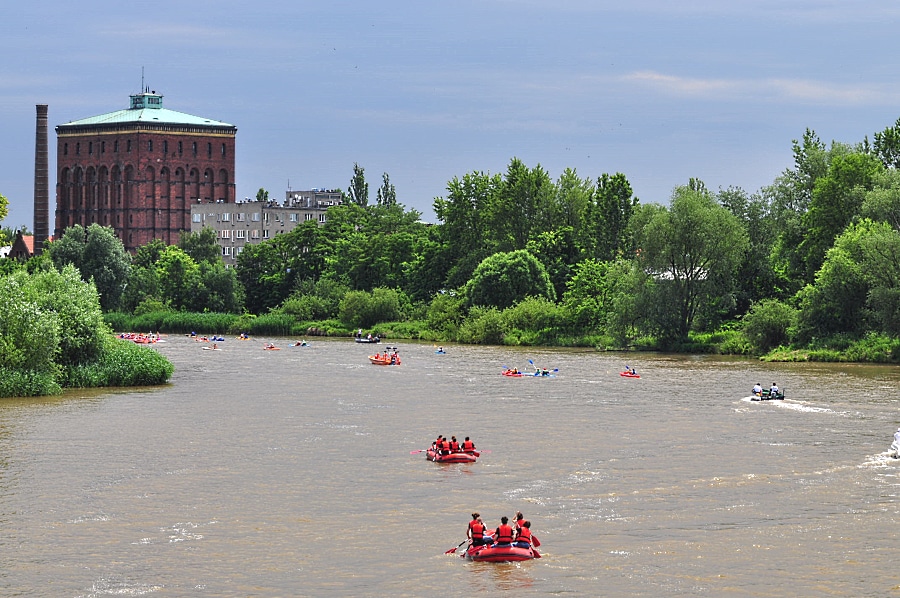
(290, 473)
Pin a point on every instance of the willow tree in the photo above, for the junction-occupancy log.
(690, 250)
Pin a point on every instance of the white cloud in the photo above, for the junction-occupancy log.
(802, 91)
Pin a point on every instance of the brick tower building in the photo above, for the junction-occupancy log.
(139, 170)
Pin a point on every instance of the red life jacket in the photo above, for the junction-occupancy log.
(445, 445)
(477, 529)
(468, 445)
(504, 534)
(524, 535)
(519, 523)
(454, 446)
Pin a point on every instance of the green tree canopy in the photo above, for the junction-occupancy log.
(98, 255)
(358, 191)
(505, 278)
(687, 248)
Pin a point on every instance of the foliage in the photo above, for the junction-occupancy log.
(122, 363)
(202, 246)
(691, 249)
(4, 207)
(358, 191)
(53, 335)
(768, 323)
(365, 309)
(387, 193)
(484, 326)
(445, 314)
(98, 255)
(503, 279)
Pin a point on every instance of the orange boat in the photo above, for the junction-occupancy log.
(385, 359)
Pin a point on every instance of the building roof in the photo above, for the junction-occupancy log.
(147, 108)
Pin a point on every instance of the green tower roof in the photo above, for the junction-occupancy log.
(147, 108)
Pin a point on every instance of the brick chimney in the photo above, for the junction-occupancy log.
(41, 181)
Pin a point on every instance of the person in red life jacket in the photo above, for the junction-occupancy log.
(454, 445)
(504, 533)
(524, 539)
(468, 446)
(475, 533)
(436, 445)
(445, 447)
(520, 519)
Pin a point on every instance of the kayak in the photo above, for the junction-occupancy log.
(513, 374)
(381, 360)
(368, 340)
(629, 375)
(452, 457)
(272, 348)
(767, 396)
(502, 553)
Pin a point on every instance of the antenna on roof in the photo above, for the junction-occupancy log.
(142, 79)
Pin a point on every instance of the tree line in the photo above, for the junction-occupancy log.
(808, 263)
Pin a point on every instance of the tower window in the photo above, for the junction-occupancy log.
(150, 145)
(128, 145)
(78, 149)
(194, 148)
(116, 146)
(166, 148)
(223, 150)
(209, 150)
(179, 148)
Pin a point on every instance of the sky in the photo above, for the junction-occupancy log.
(426, 91)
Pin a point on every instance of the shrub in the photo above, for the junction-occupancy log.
(768, 323)
(484, 326)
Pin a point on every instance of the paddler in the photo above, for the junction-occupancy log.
(504, 533)
(475, 532)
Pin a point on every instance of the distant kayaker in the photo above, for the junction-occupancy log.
(504, 532)
(475, 532)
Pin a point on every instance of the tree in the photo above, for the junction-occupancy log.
(503, 279)
(887, 146)
(464, 231)
(836, 200)
(387, 193)
(262, 195)
(179, 278)
(359, 188)
(98, 255)
(607, 217)
(4, 207)
(686, 248)
(202, 246)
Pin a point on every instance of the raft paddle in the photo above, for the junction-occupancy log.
(453, 550)
(417, 452)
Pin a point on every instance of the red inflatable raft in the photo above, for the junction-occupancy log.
(452, 457)
(502, 553)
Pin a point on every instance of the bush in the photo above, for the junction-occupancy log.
(122, 363)
(364, 310)
(484, 326)
(768, 323)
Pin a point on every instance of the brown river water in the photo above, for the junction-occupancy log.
(289, 473)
